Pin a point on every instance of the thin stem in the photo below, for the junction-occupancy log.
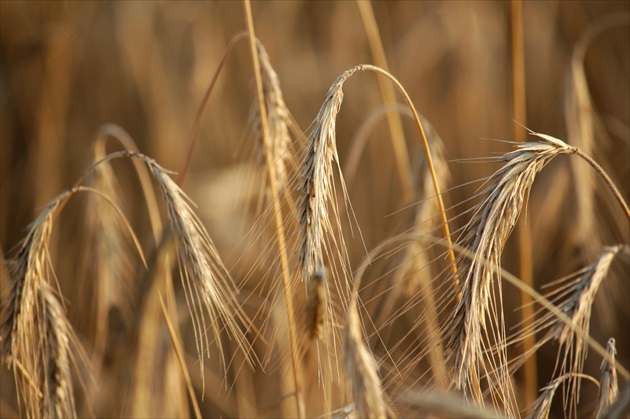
(425, 142)
(607, 180)
(202, 107)
(286, 276)
(519, 104)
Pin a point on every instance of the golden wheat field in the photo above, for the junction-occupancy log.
(315, 209)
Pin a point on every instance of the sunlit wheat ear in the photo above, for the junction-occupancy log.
(56, 336)
(279, 124)
(362, 370)
(319, 237)
(316, 188)
(317, 303)
(207, 283)
(577, 307)
(608, 386)
(485, 236)
(36, 336)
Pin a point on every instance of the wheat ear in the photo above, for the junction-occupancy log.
(208, 286)
(485, 236)
(279, 124)
(574, 298)
(608, 386)
(37, 340)
(578, 308)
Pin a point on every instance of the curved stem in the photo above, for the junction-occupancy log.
(606, 179)
(202, 107)
(436, 186)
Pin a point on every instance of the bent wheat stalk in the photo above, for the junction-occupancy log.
(485, 236)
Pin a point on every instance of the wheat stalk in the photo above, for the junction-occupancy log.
(35, 334)
(205, 278)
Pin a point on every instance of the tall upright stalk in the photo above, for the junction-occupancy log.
(519, 106)
(281, 240)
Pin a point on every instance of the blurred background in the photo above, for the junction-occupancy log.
(66, 68)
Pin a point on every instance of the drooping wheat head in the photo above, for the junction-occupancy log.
(36, 337)
(207, 283)
(577, 306)
(316, 189)
(468, 332)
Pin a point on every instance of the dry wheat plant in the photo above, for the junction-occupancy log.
(315, 209)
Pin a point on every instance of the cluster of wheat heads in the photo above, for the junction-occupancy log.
(407, 330)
